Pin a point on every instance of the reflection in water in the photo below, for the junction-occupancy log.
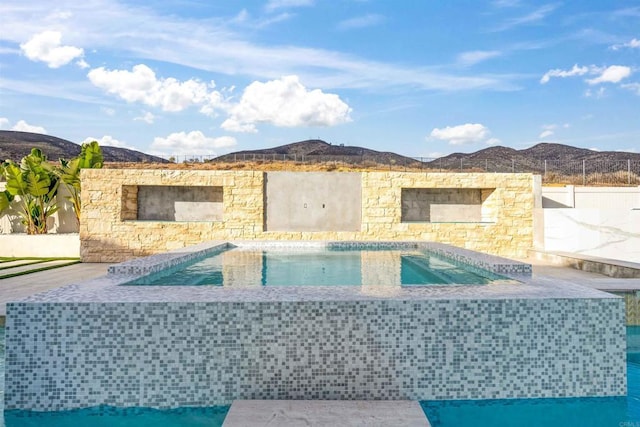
(317, 267)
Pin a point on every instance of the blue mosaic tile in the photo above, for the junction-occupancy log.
(98, 343)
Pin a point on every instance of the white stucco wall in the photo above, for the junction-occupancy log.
(40, 245)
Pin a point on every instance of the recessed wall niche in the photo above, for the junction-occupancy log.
(447, 205)
(172, 203)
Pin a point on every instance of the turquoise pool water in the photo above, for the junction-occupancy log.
(118, 417)
(320, 267)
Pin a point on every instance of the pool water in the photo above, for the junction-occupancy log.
(120, 417)
(320, 267)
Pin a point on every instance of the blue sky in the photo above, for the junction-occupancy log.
(420, 78)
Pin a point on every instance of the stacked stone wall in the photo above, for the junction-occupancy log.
(109, 231)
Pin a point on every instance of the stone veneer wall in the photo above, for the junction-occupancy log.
(110, 233)
(69, 355)
(632, 307)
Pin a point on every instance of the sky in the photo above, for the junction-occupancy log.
(419, 78)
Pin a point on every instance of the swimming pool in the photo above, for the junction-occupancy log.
(318, 266)
(224, 343)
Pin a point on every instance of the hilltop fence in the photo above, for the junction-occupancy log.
(577, 172)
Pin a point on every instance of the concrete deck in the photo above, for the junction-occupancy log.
(542, 269)
(608, 267)
(347, 413)
(16, 288)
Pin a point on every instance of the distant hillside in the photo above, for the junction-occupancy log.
(559, 158)
(315, 150)
(15, 145)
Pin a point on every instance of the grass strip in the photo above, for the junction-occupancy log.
(29, 258)
(29, 262)
(35, 270)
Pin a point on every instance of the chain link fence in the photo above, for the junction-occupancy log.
(576, 172)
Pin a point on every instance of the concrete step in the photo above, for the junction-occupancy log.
(608, 267)
(346, 413)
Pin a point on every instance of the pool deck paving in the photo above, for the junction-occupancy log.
(583, 278)
(347, 413)
(19, 287)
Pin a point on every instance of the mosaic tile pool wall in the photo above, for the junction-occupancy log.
(168, 354)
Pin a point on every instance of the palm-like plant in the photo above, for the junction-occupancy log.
(69, 172)
(35, 184)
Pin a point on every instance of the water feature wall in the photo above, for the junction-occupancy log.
(491, 213)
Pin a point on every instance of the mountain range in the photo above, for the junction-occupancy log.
(554, 157)
(316, 150)
(15, 145)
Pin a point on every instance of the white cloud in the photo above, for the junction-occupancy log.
(285, 103)
(22, 126)
(475, 56)
(633, 44)
(505, 3)
(82, 64)
(281, 4)
(575, 71)
(244, 19)
(360, 22)
(596, 93)
(4, 122)
(612, 74)
(549, 130)
(462, 134)
(192, 143)
(147, 117)
(545, 134)
(146, 32)
(59, 15)
(492, 141)
(531, 18)
(109, 141)
(9, 51)
(142, 85)
(46, 47)
(634, 87)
